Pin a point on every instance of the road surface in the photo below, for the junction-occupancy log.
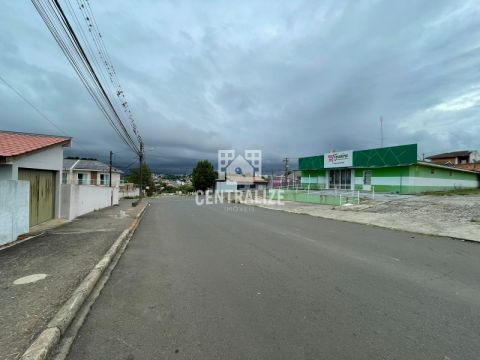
(225, 282)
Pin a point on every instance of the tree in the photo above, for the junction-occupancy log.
(147, 180)
(203, 175)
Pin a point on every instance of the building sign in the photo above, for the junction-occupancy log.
(338, 159)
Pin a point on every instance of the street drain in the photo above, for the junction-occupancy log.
(30, 279)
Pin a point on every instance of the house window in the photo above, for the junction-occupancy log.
(104, 179)
(81, 178)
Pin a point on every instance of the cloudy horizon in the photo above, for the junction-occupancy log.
(293, 79)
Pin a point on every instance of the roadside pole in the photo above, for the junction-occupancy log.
(141, 170)
(110, 179)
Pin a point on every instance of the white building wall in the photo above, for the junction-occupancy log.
(45, 159)
(14, 209)
(72, 177)
(82, 199)
(6, 172)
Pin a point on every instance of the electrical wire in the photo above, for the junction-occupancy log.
(63, 33)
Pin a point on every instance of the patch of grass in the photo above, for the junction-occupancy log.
(454, 192)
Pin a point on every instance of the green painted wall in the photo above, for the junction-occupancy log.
(317, 179)
(386, 157)
(311, 163)
(313, 173)
(394, 169)
(434, 172)
(408, 179)
(382, 157)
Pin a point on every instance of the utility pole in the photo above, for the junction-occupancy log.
(110, 179)
(285, 170)
(381, 131)
(110, 175)
(141, 170)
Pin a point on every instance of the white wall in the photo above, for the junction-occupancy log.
(81, 199)
(131, 193)
(46, 159)
(14, 209)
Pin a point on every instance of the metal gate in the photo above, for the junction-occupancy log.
(42, 194)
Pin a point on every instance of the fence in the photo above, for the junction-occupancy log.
(325, 197)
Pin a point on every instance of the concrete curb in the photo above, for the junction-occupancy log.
(49, 338)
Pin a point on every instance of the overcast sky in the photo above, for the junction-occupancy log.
(292, 78)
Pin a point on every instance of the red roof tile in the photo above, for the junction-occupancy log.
(13, 143)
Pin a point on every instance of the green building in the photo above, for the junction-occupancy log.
(390, 169)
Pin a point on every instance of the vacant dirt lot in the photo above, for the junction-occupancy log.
(453, 216)
(451, 209)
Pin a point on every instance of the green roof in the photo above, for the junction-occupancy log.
(372, 158)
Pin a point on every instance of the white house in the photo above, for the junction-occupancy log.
(89, 172)
(30, 181)
(86, 187)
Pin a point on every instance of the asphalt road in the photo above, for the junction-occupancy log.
(220, 282)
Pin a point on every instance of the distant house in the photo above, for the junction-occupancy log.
(240, 182)
(89, 172)
(30, 179)
(465, 159)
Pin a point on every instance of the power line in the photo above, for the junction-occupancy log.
(32, 105)
(77, 43)
(70, 52)
(45, 117)
(63, 33)
(105, 59)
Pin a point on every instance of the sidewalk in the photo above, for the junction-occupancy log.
(451, 216)
(65, 254)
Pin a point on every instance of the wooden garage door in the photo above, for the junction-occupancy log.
(42, 194)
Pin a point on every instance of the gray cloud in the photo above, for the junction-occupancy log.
(292, 78)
